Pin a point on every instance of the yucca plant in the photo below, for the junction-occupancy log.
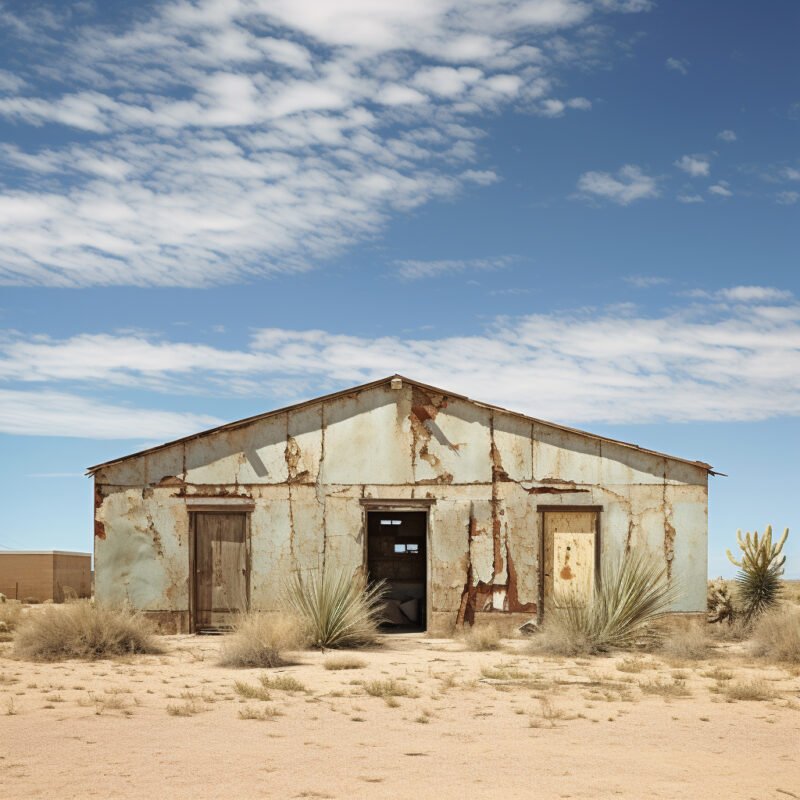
(633, 591)
(338, 609)
(758, 582)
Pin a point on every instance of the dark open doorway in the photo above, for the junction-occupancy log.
(396, 553)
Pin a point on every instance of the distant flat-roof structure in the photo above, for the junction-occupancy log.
(39, 575)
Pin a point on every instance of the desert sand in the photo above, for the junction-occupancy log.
(492, 724)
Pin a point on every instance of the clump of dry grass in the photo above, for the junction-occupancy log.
(261, 640)
(344, 661)
(251, 692)
(186, 709)
(677, 688)
(84, 630)
(282, 683)
(688, 643)
(756, 689)
(633, 665)
(776, 635)
(264, 713)
(10, 612)
(389, 688)
(482, 638)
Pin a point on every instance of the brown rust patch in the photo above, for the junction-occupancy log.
(293, 455)
(512, 594)
(669, 546)
(171, 480)
(553, 490)
(99, 527)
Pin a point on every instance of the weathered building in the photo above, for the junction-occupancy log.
(467, 509)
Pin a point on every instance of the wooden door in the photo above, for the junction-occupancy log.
(570, 546)
(221, 568)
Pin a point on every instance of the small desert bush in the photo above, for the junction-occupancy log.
(344, 661)
(282, 683)
(675, 688)
(261, 640)
(687, 643)
(84, 630)
(632, 593)
(776, 635)
(338, 609)
(390, 688)
(757, 689)
(263, 713)
(482, 638)
(10, 612)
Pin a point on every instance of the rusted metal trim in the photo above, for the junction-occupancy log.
(556, 507)
(423, 386)
(396, 503)
(220, 504)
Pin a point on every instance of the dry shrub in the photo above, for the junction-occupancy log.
(776, 635)
(757, 689)
(84, 630)
(338, 609)
(344, 661)
(736, 631)
(261, 640)
(10, 612)
(390, 688)
(482, 638)
(687, 643)
(632, 593)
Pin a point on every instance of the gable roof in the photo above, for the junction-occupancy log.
(382, 381)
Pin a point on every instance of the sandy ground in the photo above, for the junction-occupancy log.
(495, 724)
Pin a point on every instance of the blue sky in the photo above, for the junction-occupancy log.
(585, 211)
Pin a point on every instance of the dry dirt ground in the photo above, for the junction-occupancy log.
(493, 724)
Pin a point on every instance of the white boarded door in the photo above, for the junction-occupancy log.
(570, 552)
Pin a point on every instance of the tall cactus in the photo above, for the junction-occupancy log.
(760, 570)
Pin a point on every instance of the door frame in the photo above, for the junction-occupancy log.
(541, 511)
(388, 506)
(193, 511)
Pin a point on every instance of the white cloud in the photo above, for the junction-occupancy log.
(25, 413)
(721, 189)
(690, 198)
(677, 65)
(709, 360)
(483, 177)
(727, 136)
(627, 186)
(791, 174)
(787, 198)
(415, 269)
(694, 165)
(645, 281)
(233, 139)
(754, 294)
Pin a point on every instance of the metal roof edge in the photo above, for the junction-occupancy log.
(374, 384)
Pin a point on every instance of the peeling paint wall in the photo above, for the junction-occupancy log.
(307, 470)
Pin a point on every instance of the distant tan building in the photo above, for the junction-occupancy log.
(45, 575)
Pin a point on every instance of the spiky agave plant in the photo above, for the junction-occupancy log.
(340, 610)
(758, 582)
(633, 591)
